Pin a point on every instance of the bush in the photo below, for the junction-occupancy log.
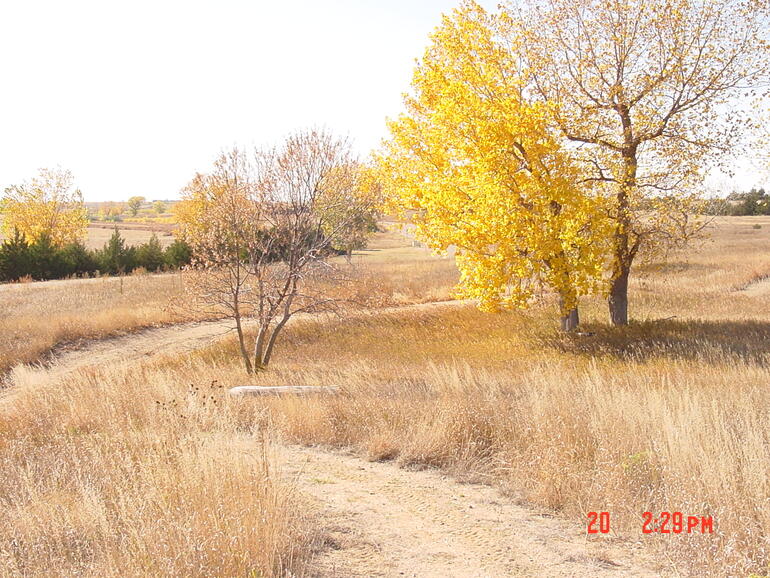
(15, 258)
(177, 254)
(115, 258)
(150, 255)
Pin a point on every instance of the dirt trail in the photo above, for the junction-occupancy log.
(166, 340)
(386, 521)
(121, 349)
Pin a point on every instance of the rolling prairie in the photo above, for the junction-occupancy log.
(669, 414)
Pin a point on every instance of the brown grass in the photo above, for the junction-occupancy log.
(37, 317)
(134, 234)
(496, 401)
(669, 414)
(131, 472)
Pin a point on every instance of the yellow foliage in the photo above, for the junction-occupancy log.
(46, 205)
(483, 172)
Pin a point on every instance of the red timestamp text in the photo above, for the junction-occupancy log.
(677, 523)
(664, 523)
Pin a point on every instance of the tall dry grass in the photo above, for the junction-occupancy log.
(636, 428)
(129, 471)
(36, 317)
(669, 414)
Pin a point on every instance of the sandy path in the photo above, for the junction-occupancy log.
(386, 521)
(142, 343)
(179, 338)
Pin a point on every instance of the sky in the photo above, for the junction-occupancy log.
(136, 96)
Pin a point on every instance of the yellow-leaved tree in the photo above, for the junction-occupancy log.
(652, 91)
(46, 205)
(484, 173)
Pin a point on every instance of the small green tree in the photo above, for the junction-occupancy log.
(45, 259)
(134, 204)
(177, 254)
(77, 259)
(150, 254)
(115, 258)
(15, 258)
(159, 207)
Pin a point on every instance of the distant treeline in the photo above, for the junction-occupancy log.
(42, 260)
(755, 202)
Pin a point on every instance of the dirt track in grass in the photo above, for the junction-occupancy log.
(381, 520)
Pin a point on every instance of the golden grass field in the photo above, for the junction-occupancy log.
(134, 234)
(128, 469)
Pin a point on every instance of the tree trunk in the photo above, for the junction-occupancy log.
(259, 346)
(571, 320)
(242, 343)
(618, 297)
(271, 341)
(624, 249)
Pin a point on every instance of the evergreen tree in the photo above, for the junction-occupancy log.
(150, 254)
(79, 260)
(115, 258)
(15, 258)
(46, 263)
(177, 254)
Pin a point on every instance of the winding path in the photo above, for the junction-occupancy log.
(381, 520)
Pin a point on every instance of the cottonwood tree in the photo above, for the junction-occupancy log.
(47, 205)
(648, 89)
(261, 238)
(477, 162)
(134, 204)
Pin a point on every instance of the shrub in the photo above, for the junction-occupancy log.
(150, 255)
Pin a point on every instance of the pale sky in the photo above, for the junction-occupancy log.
(134, 97)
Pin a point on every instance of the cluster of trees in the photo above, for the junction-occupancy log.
(45, 223)
(135, 205)
(556, 142)
(754, 202)
(43, 259)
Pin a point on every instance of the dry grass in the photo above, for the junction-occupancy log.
(37, 317)
(128, 471)
(669, 414)
(495, 400)
(134, 234)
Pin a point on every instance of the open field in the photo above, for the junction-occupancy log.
(36, 317)
(669, 414)
(133, 233)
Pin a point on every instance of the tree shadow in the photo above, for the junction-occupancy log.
(707, 341)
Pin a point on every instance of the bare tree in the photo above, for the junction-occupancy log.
(262, 227)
